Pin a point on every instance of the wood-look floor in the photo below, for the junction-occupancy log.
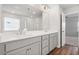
(66, 50)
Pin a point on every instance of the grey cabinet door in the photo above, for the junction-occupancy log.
(56, 40)
(34, 49)
(1, 49)
(53, 41)
(45, 51)
(45, 43)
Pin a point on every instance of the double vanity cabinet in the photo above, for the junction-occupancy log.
(38, 45)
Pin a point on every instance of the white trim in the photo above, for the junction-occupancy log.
(72, 13)
(63, 38)
(78, 30)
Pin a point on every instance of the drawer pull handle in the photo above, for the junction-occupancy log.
(30, 48)
(27, 49)
(26, 52)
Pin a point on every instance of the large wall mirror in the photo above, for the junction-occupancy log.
(16, 17)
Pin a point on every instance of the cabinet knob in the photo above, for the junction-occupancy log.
(30, 48)
(27, 49)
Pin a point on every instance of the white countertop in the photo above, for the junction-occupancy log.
(27, 35)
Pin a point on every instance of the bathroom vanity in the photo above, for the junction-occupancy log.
(43, 26)
(40, 44)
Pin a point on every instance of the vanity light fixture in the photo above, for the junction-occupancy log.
(44, 7)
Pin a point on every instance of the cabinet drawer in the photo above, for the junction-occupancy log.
(20, 43)
(21, 51)
(45, 37)
(45, 51)
(33, 49)
(44, 43)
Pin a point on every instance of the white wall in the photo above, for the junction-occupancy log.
(55, 20)
(21, 14)
(51, 20)
(45, 20)
(0, 18)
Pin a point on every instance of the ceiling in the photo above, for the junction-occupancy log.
(32, 9)
(22, 9)
(63, 6)
(66, 6)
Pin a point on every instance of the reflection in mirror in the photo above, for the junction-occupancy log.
(20, 17)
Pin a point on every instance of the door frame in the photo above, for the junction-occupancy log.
(61, 31)
(62, 41)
